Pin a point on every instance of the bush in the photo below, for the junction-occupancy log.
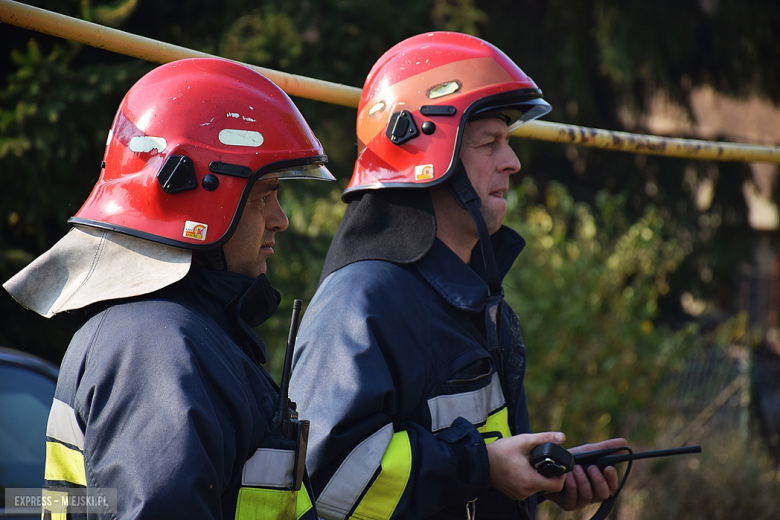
(586, 289)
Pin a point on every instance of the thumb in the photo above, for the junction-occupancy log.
(545, 437)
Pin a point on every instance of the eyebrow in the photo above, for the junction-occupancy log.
(274, 186)
(495, 134)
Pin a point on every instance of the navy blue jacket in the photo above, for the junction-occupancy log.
(162, 398)
(392, 369)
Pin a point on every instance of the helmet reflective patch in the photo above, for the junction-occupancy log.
(232, 137)
(378, 107)
(145, 143)
(423, 172)
(444, 89)
(110, 135)
(195, 230)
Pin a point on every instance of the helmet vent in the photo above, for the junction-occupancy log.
(401, 127)
(177, 174)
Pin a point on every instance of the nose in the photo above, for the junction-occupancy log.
(276, 220)
(508, 162)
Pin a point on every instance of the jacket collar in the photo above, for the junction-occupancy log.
(238, 303)
(463, 285)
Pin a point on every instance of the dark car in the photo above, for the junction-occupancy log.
(26, 391)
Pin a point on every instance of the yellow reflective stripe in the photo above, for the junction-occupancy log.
(384, 494)
(63, 463)
(304, 501)
(53, 503)
(272, 504)
(497, 422)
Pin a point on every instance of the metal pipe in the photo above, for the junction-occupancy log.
(647, 144)
(114, 40)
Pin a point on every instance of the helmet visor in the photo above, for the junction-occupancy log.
(533, 109)
(303, 171)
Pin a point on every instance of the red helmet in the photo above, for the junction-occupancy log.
(417, 99)
(188, 142)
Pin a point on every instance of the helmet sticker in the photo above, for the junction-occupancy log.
(423, 172)
(233, 137)
(444, 89)
(195, 230)
(145, 143)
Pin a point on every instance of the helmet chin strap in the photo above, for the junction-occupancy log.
(468, 199)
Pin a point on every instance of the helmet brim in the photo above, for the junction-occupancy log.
(305, 171)
(533, 110)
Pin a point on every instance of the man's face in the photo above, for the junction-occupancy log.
(489, 161)
(252, 243)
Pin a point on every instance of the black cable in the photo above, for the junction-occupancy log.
(606, 506)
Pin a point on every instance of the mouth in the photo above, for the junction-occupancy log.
(499, 193)
(268, 247)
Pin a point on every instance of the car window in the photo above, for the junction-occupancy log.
(25, 399)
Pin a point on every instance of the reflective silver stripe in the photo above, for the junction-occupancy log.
(473, 406)
(347, 484)
(269, 468)
(62, 425)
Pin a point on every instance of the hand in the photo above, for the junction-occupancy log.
(585, 487)
(510, 471)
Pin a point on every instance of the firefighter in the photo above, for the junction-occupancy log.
(162, 395)
(409, 363)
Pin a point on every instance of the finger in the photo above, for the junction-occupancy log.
(542, 438)
(569, 499)
(553, 484)
(584, 490)
(611, 475)
(527, 442)
(600, 488)
(603, 445)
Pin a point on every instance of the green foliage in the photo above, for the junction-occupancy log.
(586, 289)
(263, 37)
(460, 17)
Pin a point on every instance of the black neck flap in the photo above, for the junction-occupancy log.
(213, 260)
(396, 225)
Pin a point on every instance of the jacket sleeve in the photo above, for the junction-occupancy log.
(152, 426)
(346, 381)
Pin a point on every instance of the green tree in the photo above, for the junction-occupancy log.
(586, 289)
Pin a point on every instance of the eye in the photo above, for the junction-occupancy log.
(489, 146)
